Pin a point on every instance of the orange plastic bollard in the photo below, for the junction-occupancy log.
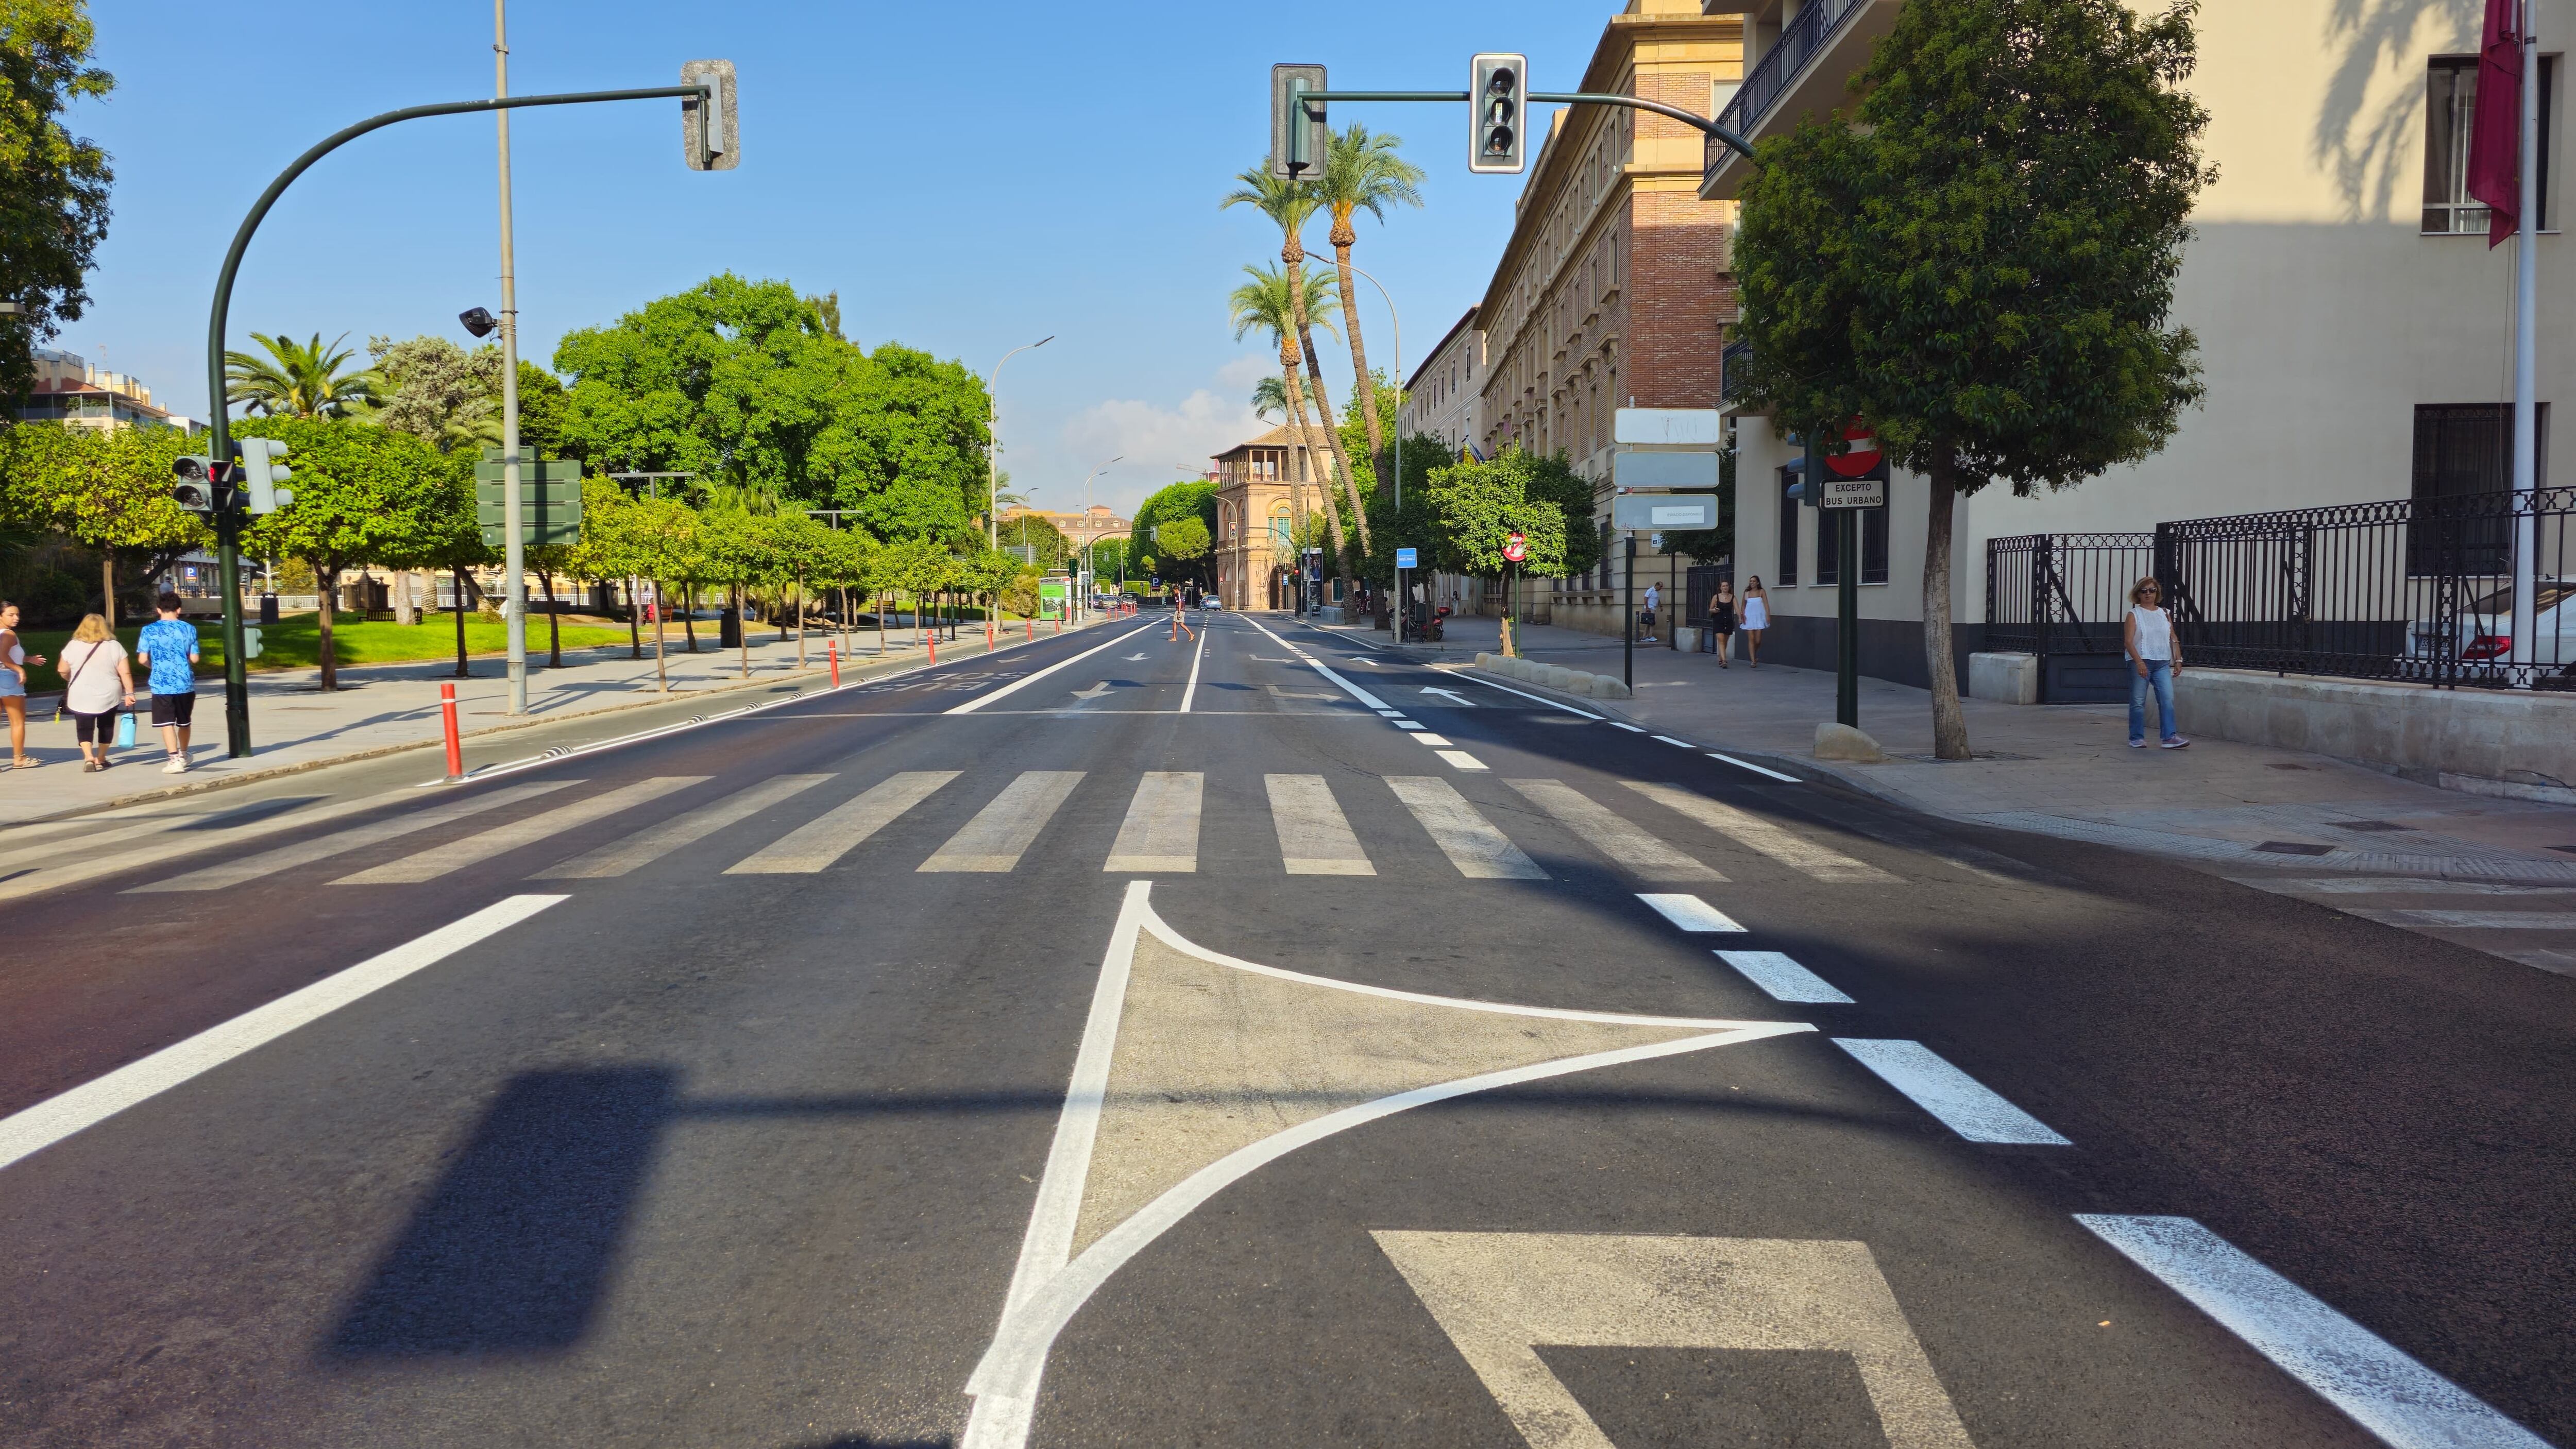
(834, 649)
(930, 641)
(988, 634)
(455, 745)
(1033, 628)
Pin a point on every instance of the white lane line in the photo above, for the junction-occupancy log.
(1315, 837)
(1353, 690)
(1756, 833)
(1471, 842)
(817, 843)
(1783, 979)
(454, 855)
(1161, 832)
(1428, 738)
(1628, 847)
(1685, 744)
(1460, 759)
(2385, 1391)
(2470, 920)
(94, 1101)
(619, 857)
(1405, 724)
(1197, 657)
(1003, 830)
(1025, 680)
(1691, 913)
(1964, 1104)
(1524, 694)
(1757, 769)
(1389, 713)
(226, 874)
(2396, 885)
(1632, 729)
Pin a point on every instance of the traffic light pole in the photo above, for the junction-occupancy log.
(1701, 124)
(228, 524)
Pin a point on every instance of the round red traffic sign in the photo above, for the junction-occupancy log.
(1516, 547)
(1862, 454)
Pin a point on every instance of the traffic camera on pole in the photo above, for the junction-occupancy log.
(262, 473)
(1497, 101)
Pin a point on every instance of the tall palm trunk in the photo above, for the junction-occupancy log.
(1361, 382)
(1296, 419)
(1341, 456)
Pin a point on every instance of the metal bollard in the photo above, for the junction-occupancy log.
(455, 744)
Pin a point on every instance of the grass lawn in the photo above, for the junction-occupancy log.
(295, 642)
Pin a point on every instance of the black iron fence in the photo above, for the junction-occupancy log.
(1699, 591)
(2421, 590)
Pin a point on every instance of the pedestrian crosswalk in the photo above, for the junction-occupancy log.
(936, 822)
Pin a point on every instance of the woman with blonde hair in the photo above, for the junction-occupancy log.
(98, 682)
(2148, 639)
(14, 660)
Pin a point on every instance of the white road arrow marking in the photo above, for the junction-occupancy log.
(1094, 692)
(1450, 696)
(1132, 658)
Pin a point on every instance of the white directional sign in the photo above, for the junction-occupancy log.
(1695, 469)
(1654, 511)
(1853, 493)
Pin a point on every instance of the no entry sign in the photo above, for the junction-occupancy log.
(1862, 455)
(1516, 547)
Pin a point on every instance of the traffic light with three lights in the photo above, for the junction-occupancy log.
(1496, 103)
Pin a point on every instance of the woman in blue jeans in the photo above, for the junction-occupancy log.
(2148, 640)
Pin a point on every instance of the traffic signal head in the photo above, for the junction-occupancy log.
(195, 488)
(709, 138)
(262, 473)
(1298, 135)
(1497, 101)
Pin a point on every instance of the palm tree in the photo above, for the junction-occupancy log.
(1288, 204)
(1324, 308)
(297, 379)
(1363, 172)
(1269, 396)
(1265, 303)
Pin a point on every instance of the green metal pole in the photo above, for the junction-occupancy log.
(1847, 617)
(228, 527)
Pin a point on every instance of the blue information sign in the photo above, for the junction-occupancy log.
(1404, 559)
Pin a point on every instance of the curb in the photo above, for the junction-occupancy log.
(279, 772)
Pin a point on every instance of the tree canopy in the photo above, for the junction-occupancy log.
(53, 211)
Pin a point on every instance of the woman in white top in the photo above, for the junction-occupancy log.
(97, 681)
(1757, 617)
(14, 660)
(2148, 640)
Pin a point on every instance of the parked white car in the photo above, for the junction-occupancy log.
(2482, 634)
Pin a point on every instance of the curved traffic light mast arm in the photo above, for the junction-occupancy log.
(228, 521)
(1701, 124)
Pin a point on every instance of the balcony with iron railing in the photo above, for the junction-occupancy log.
(1732, 361)
(1792, 55)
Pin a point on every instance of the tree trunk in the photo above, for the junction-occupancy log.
(1341, 456)
(461, 670)
(881, 623)
(107, 587)
(399, 595)
(554, 628)
(1315, 461)
(1361, 382)
(800, 621)
(741, 631)
(689, 614)
(661, 621)
(1949, 722)
(329, 578)
(634, 621)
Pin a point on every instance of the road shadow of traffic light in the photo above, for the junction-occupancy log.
(512, 1251)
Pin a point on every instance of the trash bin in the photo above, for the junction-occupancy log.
(268, 608)
(729, 629)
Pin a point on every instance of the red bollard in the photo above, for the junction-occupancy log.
(455, 745)
(988, 633)
(1033, 628)
(930, 641)
(834, 649)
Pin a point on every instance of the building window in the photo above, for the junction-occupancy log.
(2463, 450)
(1873, 545)
(2450, 112)
(1786, 575)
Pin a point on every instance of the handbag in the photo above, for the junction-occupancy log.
(77, 671)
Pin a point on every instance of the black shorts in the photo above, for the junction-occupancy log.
(174, 709)
(94, 729)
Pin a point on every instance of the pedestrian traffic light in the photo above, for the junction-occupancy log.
(261, 473)
(195, 489)
(1496, 100)
(1298, 135)
(709, 137)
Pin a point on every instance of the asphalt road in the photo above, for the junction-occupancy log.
(713, 1090)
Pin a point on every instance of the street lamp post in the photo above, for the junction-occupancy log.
(1086, 519)
(993, 443)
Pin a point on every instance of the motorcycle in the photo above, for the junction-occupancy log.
(1427, 631)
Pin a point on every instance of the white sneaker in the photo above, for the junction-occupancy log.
(178, 765)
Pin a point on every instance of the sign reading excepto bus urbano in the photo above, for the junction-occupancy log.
(1516, 547)
(1853, 493)
(1404, 559)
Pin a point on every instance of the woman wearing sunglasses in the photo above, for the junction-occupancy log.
(2148, 639)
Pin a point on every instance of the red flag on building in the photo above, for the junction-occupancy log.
(2495, 134)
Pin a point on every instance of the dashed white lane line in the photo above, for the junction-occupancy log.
(1460, 758)
(1428, 738)
(1757, 769)
(2470, 920)
(1025, 680)
(1964, 1104)
(1685, 744)
(1632, 729)
(94, 1101)
(1690, 913)
(2407, 1405)
(1783, 979)
(1197, 657)
(1405, 724)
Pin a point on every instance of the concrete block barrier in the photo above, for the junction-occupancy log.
(1555, 676)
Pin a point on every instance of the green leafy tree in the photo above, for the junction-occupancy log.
(1190, 498)
(1476, 507)
(905, 444)
(362, 495)
(1979, 260)
(545, 409)
(109, 491)
(657, 539)
(1363, 172)
(1183, 540)
(1048, 546)
(1414, 524)
(918, 567)
(436, 391)
(53, 209)
(307, 380)
(1268, 303)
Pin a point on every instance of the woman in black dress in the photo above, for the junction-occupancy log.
(1721, 618)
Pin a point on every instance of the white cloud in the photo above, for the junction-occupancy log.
(1246, 370)
(1157, 443)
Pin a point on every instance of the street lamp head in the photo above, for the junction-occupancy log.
(1043, 341)
(478, 321)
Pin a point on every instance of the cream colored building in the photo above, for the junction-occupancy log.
(1442, 397)
(2346, 308)
(1254, 554)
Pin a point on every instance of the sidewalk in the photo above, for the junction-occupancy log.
(380, 709)
(2066, 770)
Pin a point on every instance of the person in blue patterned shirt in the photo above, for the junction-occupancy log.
(169, 645)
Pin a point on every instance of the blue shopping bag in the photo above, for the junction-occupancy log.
(125, 729)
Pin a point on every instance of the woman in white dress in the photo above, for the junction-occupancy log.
(1757, 617)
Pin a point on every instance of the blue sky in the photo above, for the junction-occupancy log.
(930, 162)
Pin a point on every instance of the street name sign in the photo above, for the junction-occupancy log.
(1657, 511)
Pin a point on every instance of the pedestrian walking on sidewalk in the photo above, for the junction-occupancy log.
(1757, 617)
(2148, 639)
(168, 646)
(14, 660)
(1721, 619)
(1646, 616)
(97, 683)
